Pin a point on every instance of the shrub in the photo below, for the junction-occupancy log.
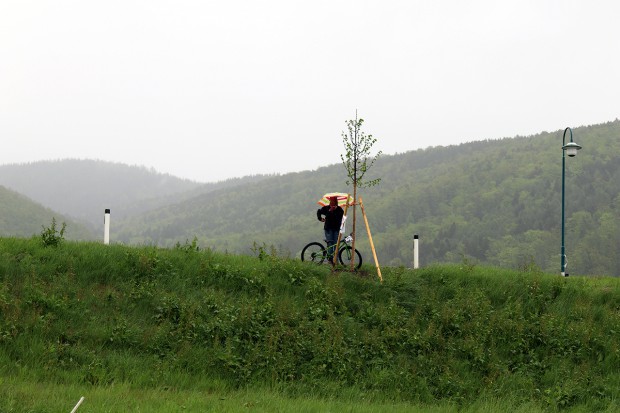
(51, 237)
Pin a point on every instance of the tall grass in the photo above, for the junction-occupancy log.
(186, 321)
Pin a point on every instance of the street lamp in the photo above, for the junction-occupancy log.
(569, 149)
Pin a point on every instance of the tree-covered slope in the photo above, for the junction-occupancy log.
(85, 188)
(495, 202)
(22, 217)
(499, 202)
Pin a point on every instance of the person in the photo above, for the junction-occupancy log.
(331, 215)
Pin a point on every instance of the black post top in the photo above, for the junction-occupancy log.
(107, 211)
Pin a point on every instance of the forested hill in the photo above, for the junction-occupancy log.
(22, 217)
(83, 189)
(496, 202)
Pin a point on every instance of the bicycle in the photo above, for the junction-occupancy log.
(317, 253)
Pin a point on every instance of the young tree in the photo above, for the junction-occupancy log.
(357, 161)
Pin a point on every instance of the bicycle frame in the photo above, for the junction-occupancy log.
(318, 253)
(344, 243)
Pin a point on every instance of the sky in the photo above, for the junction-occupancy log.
(211, 90)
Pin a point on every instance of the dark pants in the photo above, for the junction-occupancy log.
(331, 237)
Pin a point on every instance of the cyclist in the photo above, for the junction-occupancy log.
(331, 215)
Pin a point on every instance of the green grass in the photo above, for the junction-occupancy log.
(49, 397)
(39, 397)
(147, 329)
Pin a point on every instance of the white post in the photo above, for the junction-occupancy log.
(77, 405)
(416, 253)
(106, 227)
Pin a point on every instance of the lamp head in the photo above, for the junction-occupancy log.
(571, 148)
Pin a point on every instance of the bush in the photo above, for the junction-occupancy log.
(51, 237)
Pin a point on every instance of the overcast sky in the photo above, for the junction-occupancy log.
(209, 90)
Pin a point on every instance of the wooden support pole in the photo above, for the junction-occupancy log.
(372, 245)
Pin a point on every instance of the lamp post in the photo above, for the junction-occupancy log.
(569, 149)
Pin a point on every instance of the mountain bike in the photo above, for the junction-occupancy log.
(318, 253)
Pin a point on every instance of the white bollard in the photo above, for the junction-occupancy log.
(416, 253)
(106, 227)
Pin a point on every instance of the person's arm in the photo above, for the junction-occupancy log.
(319, 213)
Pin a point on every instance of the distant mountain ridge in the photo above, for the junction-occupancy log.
(493, 202)
(83, 189)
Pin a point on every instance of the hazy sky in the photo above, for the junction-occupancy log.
(210, 90)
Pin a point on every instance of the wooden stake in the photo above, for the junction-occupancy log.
(372, 245)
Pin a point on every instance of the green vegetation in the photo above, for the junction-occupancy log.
(84, 188)
(357, 160)
(167, 329)
(51, 236)
(491, 202)
(22, 217)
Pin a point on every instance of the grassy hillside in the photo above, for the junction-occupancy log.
(21, 216)
(491, 202)
(161, 321)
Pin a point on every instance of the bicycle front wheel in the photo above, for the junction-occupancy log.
(346, 254)
(314, 252)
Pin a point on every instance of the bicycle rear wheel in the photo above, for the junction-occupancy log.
(345, 255)
(314, 252)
